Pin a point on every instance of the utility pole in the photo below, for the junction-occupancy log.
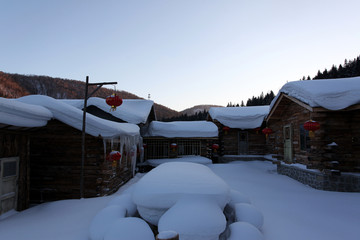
(86, 97)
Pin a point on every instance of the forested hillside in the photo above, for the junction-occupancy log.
(16, 85)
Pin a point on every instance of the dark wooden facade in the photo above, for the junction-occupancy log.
(241, 142)
(55, 165)
(15, 143)
(292, 144)
(160, 147)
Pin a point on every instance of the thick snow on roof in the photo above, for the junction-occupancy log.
(21, 114)
(131, 110)
(240, 117)
(183, 129)
(72, 116)
(332, 94)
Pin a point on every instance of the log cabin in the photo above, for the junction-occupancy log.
(56, 153)
(18, 122)
(240, 130)
(180, 138)
(330, 159)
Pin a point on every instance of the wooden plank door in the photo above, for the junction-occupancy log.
(9, 171)
(243, 143)
(288, 143)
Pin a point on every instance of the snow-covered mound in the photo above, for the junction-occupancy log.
(240, 117)
(125, 201)
(193, 159)
(194, 218)
(130, 228)
(134, 111)
(244, 231)
(72, 116)
(20, 114)
(183, 129)
(104, 219)
(245, 212)
(163, 186)
(332, 94)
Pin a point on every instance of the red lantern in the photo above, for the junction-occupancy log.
(173, 147)
(113, 101)
(144, 145)
(226, 129)
(267, 131)
(114, 156)
(311, 126)
(257, 130)
(215, 147)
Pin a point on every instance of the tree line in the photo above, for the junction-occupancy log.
(255, 101)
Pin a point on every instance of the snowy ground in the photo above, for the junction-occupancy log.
(291, 210)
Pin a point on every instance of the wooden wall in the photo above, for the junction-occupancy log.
(16, 144)
(55, 155)
(341, 127)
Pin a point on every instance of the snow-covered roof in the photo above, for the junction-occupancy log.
(240, 117)
(332, 94)
(134, 111)
(21, 114)
(183, 129)
(73, 116)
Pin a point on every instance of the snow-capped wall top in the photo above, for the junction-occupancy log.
(72, 116)
(131, 110)
(183, 129)
(332, 94)
(240, 117)
(21, 114)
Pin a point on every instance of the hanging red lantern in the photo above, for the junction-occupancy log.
(114, 156)
(225, 129)
(267, 131)
(311, 126)
(144, 145)
(215, 147)
(173, 147)
(257, 130)
(113, 101)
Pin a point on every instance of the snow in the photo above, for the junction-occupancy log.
(134, 111)
(245, 212)
(23, 115)
(153, 195)
(240, 117)
(130, 228)
(291, 210)
(73, 117)
(244, 231)
(101, 223)
(125, 201)
(332, 94)
(167, 234)
(195, 217)
(182, 129)
(186, 158)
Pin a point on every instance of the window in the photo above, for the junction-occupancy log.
(304, 139)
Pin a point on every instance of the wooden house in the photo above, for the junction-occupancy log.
(56, 154)
(18, 122)
(240, 129)
(333, 153)
(136, 111)
(179, 138)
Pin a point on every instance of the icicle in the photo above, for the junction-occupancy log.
(104, 141)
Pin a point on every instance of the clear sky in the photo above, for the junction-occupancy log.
(182, 52)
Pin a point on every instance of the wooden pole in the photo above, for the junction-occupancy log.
(86, 97)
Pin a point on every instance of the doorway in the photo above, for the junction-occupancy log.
(288, 143)
(9, 171)
(243, 143)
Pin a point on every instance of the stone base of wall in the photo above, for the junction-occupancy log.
(344, 182)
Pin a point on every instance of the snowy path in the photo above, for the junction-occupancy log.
(292, 210)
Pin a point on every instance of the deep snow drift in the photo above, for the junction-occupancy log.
(290, 209)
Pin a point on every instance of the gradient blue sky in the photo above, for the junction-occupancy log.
(182, 52)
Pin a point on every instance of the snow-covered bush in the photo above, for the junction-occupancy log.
(162, 187)
(194, 218)
(244, 231)
(235, 197)
(245, 212)
(125, 201)
(102, 221)
(129, 229)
